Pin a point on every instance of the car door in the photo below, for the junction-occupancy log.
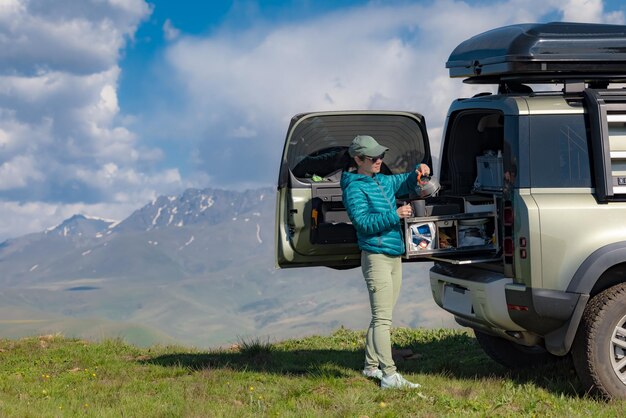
(312, 226)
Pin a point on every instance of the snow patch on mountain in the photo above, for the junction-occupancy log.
(194, 206)
(258, 234)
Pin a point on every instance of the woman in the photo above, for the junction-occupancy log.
(369, 198)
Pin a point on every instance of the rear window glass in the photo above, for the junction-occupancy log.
(318, 145)
(559, 151)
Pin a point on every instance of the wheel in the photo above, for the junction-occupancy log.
(511, 355)
(599, 349)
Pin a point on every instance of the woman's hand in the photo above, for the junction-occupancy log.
(424, 169)
(404, 211)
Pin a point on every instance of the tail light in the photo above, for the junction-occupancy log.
(508, 219)
(508, 216)
(509, 247)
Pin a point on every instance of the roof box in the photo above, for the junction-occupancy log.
(546, 52)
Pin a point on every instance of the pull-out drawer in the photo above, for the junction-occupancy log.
(462, 237)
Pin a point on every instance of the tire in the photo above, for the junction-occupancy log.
(511, 355)
(599, 349)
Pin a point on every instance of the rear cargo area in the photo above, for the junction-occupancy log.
(461, 225)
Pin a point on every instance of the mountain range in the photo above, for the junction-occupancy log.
(196, 269)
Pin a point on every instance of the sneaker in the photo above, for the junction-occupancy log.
(373, 373)
(396, 381)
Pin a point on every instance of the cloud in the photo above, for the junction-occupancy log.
(169, 31)
(369, 57)
(27, 217)
(340, 61)
(591, 11)
(61, 132)
(243, 132)
(76, 37)
(18, 171)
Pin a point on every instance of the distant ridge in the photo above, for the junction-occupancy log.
(195, 206)
(79, 225)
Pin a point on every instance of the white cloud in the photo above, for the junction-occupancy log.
(169, 31)
(370, 57)
(62, 120)
(108, 99)
(18, 172)
(65, 35)
(110, 176)
(133, 7)
(46, 78)
(243, 132)
(61, 132)
(591, 11)
(360, 58)
(38, 216)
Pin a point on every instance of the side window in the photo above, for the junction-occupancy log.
(559, 151)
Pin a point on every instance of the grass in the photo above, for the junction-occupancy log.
(52, 376)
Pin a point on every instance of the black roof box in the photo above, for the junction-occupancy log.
(544, 52)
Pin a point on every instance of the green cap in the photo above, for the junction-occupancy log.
(366, 145)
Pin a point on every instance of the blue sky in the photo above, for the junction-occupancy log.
(106, 104)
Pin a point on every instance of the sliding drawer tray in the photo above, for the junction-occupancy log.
(452, 236)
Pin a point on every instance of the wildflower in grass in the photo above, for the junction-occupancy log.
(251, 388)
(382, 405)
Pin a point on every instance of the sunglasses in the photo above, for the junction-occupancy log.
(373, 159)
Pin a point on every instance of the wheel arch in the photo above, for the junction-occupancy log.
(600, 270)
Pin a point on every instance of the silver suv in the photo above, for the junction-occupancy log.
(528, 233)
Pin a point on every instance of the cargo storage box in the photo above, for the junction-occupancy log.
(548, 52)
(473, 229)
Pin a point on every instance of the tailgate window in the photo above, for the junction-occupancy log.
(318, 145)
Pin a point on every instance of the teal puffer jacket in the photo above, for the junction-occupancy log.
(371, 206)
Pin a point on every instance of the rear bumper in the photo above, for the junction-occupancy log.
(552, 314)
(490, 302)
(477, 297)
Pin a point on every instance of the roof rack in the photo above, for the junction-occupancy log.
(556, 52)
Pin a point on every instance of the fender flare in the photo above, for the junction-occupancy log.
(597, 263)
(560, 340)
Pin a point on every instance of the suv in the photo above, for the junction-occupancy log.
(528, 233)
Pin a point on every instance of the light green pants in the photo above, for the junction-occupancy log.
(383, 276)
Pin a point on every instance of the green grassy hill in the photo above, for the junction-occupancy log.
(312, 376)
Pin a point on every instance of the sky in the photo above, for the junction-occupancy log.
(107, 104)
